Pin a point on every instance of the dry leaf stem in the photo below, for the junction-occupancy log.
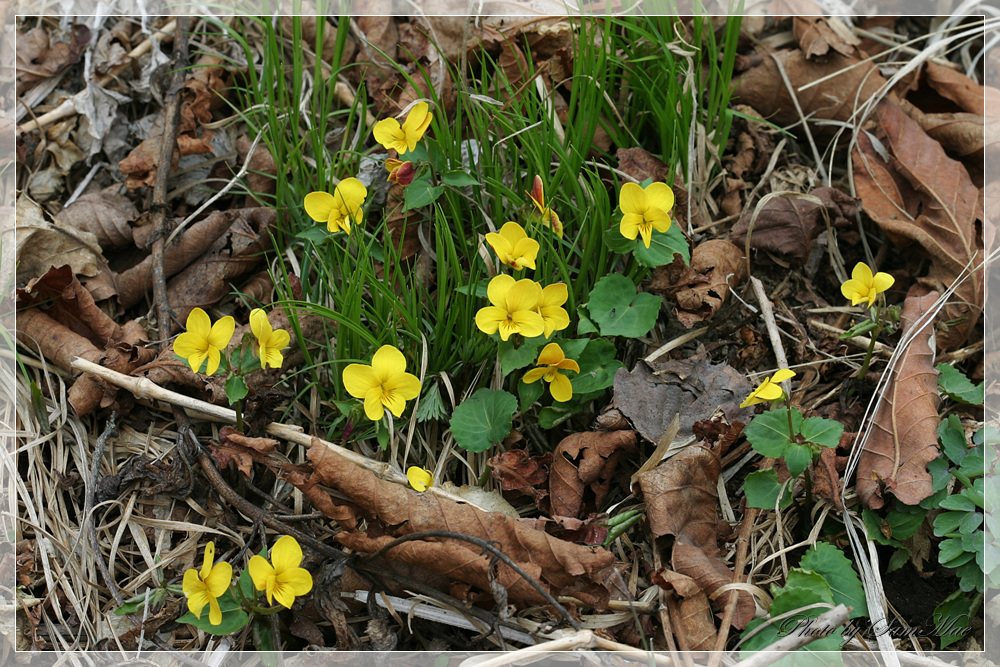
(171, 121)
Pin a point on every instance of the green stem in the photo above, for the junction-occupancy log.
(238, 406)
(871, 346)
(791, 428)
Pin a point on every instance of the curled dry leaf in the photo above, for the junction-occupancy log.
(787, 224)
(925, 196)
(38, 58)
(240, 449)
(234, 254)
(816, 35)
(262, 171)
(763, 88)
(903, 439)
(585, 462)
(703, 286)
(681, 500)
(140, 166)
(695, 628)
(561, 567)
(516, 470)
(42, 245)
(134, 282)
(826, 473)
(105, 214)
(694, 389)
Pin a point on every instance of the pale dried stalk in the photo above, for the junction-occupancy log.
(583, 639)
(796, 640)
(146, 388)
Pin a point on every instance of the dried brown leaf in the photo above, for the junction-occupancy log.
(105, 214)
(585, 462)
(39, 59)
(694, 389)
(262, 171)
(42, 245)
(562, 567)
(816, 37)
(904, 435)
(960, 89)
(695, 622)
(516, 470)
(787, 224)
(681, 500)
(703, 286)
(923, 195)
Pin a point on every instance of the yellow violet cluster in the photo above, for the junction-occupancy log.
(205, 586)
(645, 209)
(343, 208)
(384, 385)
(204, 340)
(864, 286)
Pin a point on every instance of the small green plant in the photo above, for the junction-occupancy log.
(786, 435)
(823, 579)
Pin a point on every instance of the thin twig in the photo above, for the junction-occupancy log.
(171, 121)
(485, 546)
(742, 544)
(824, 626)
(767, 312)
(88, 508)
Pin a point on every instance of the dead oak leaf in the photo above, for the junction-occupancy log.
(923, 195)
(516, 470)
(903, 439)
(703, 286)
(585, 462)
(816, 35)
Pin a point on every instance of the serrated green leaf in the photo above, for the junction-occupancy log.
(762, 489)
(973, 465)
(514, 357)
(619, 311)
(952, 618)
(952, 437)
(431, 404)
(959, 503)
(958, 387)
(821, 431)
(236, 389)
(797, 458)
(970, 576)
(830, 562)
(458, 179)
(768, 432)
(483, 420)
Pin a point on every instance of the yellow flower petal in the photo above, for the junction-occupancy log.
(881, 282)
(359, 379)
(551, 355)
(419, 478)
(561, 388)
(632, 199)
(351, 193)
(658, 219)
(222, 333)
(389, 133)
(534, 375)
(192, 582)
(782, 375)
(260, 572)
(498, 288)
(219, 580)
(568, 365)
(192, 347)
(862, 273)
(297, 580)
(198, 323)
(406, 385)
(629, 227)
(319, 205)
(214, 359)
(374, 407)
(286, 554)
(501, 246)
(196, 602)
(214, 611)
(646, 231)
(388, 362)
(528, 323)
(659, 196)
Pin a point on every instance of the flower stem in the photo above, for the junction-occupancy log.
(791, 429)
(238, 406)
(880, 324)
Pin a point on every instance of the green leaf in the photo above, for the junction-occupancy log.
(317, 234)
(875, 524)
(479, 289)
(431, 404)
(553, 415)
(762, 489)
(136, 603)
(797, 458)
(821, 431)
(898, 559)
(458, 179)
(597, 366)
(483, 420)
(973, 465)
(970, 576)
(958, 503)
(905, 520)
(421, 193)
(951, 553)
(952, 618)
(245, 582)
(940, 475)
(947, 523)
(514, 357)
(768, 431)
(616, 242)
(265, 641)
(971, 522)
(529, 393)
(952, 437)
(662, 246)
(830, 562)
(958, 387)
(802, 589)
(584, 325)
(236, 388)
(859, 329)
(233, 617)
(619, 311)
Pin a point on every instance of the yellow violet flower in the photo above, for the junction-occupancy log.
(550, 308)
(340, 209)
(284, 580)
(383, 384)
(514, 308)
(549, 217)
(400, 172)
(206, 586)
(403, 138)
(552, 360)
(863, 286)
(419, 478)
(513, 247)
(769, 390)
(645, 209)
(269, 342)
(204, 340)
